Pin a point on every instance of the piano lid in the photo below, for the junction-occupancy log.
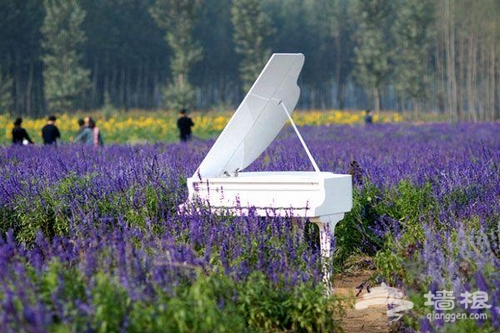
(258, 119)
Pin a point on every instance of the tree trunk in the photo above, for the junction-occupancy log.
(129, 93)
(449, 33)
(122, 87)
(114, 85)
(416, 106)
(138, 84)
(157, 86)
(376, 98)
(338, 73)
(95, 77)
(483, 99)
(492, 83)
(471, 78)
(29, 87)
(497, 94)
(18, 101)
(439, 77)
(461, 78)
(107, 87)
(146, 99)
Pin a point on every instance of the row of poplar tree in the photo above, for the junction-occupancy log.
(420, 55)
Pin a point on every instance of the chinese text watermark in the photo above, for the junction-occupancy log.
(441, 300)
(444, 300)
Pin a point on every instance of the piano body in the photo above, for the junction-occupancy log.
(322, 197)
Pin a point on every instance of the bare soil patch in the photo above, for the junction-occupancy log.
(374, 318)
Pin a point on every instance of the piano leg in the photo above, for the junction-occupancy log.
(326, 225)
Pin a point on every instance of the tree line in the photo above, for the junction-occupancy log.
(419, 55)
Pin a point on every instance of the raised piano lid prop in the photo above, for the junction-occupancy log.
(323, 197)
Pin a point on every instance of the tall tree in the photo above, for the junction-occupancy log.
(5, 92)
(178, 17)
(449, 38)
(487, 29)
(129, 58)
(341, 29)
(251, 27)
(65, 80)
(317, 37)
(412, 34)
(125, 52)
(216, 72)
(373, 50)
(20, 23)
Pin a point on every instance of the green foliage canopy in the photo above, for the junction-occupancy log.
(64, 77)
(5, 92)
(178, 17)
(251, 27)
(373, 45)
(412, 35)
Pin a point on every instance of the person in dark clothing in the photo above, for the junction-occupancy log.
(368, 117)
(81, 126)
(184, 124)
(50, 132)
(19, 134)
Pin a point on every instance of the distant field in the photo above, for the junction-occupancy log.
(139, 126)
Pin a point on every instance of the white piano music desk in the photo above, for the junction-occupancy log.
(322, 197)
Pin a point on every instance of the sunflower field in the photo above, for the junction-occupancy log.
(138, 126)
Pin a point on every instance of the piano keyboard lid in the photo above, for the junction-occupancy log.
(258, 119)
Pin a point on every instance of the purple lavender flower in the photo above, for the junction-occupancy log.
(114, 214)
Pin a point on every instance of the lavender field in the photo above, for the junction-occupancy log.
(92, 240)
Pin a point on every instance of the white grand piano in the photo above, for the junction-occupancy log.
(322, 197)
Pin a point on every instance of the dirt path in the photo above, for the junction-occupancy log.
(373, 319)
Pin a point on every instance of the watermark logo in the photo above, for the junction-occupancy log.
(444, 300)
(441, 300)
(385, 295)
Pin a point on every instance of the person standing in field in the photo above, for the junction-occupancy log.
(81, 127)
(368, 117)
(184, 124)
(20, 135)
(96, 133)
(50, 132)
(91, 135)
